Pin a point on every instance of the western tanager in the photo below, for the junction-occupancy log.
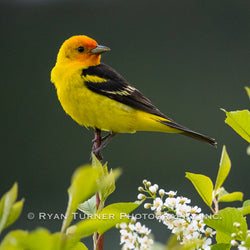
(96, 96)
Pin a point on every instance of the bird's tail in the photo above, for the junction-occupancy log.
(188, 132)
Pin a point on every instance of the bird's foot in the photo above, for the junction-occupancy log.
(104, 142)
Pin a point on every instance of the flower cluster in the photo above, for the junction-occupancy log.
(238, 234)
(175, 212)
(135, 236)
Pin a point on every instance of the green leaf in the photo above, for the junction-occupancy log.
(203, 185)
(15, 212)
(79, 246)
(159, 246)
(223, 223)
(248, 91)
(104, 220)
(247, 242)
(221, 246)
(235, 196)
(39, 240)
(107, 179)
(246, 207)
(246, 203)
(88, 207)
(224, 169)
(95, 162)
(6, 204)
(83, 186)
(240, 122)
(173, 243)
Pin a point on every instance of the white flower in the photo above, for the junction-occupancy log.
(207, 243)
(157, 204)
(171, 193)
(135, 236)
(209, 232)
(131, 226)
(243, 248)
(144, 230)
(236, 224)
(168, 220)
(158, 214)
(198, 217)
(193, 235)
(145, 242)
(141, 196)
(147, 205)
(184, 200)
(179, 225)
(161, 192)
(191, 230)
(183, 210)
(234, 243)
(137, 226)
(152, 189)
(123, 225)
(195, 210)
(171, 202)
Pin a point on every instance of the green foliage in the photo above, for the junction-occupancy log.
(240, 120)
(83, 185)
(223, 222)
(203, 185)
(104, 220)
(248, 91)
(229, 223)
(88, 207)
(224, 169)
(229, 197)
(106, 180)
(86, 181)
(9, 208)
(39, 239)
(246, 207)
(221, 246)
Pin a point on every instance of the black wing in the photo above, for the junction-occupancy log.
(117, 88)
(111, 84)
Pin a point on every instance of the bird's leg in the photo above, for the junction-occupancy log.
(97, 144)
(101, 142)
(98, 239)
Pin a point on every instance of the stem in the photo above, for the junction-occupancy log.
(216, 206)
(98, 240)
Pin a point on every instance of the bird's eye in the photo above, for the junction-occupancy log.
(80, 49)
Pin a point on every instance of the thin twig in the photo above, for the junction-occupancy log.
(98, 239)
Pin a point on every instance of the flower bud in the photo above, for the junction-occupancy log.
(147, 205)
(152, 189)
(141, 196)
(161, 192)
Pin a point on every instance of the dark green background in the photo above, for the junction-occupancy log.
(191, 58)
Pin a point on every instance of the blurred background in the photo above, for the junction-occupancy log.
(191, 58)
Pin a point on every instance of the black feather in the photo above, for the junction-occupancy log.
(118, 89)
(114, 86)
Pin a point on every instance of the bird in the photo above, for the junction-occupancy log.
(97, 96)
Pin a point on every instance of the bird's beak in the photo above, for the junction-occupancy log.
(99, 49)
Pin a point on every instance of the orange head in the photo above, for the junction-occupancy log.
(81, 49)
